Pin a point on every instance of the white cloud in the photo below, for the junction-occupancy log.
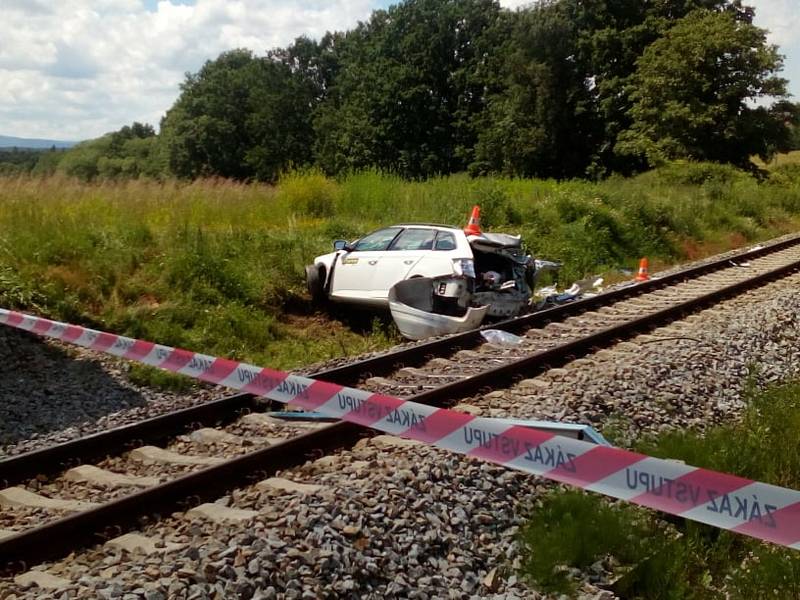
(780, 17)
(782, 21)
(78, 68)
(74, 69)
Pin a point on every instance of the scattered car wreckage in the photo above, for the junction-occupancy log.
(436, 279)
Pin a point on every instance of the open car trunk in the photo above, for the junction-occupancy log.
(503, 274)
(501, 286)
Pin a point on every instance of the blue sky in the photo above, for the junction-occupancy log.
(75, 69)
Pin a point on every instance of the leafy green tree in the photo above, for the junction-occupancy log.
(48, 162)
(693, 94)
(128, 153)
(407, 85)
(560, 88)
(540, 122)
(81, 161)
(17, 161)
(612, 35)
(794, 125)
(241, 117)
(314, 62)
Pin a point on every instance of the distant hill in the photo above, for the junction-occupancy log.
(15, 142)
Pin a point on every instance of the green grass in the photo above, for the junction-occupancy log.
(217, 266)
(571, 529)
(156, 378)
(687, 560)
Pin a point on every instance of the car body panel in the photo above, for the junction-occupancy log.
(354, 274)
(365, 276)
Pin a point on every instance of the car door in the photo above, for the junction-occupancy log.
(396, 263)
(354, 270)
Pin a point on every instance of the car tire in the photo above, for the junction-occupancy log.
(315, 281)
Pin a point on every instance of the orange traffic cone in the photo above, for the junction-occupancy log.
(474, 225)
(642, 275)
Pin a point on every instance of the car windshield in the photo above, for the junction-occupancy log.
(378, 240)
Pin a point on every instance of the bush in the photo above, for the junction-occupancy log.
(309, 193)
(496, 207)
(788, 174)
(698, 173)
(170, 259)
(576, 530)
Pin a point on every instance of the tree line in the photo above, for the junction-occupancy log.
(561, 88)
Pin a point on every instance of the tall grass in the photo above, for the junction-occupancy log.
(218, 266)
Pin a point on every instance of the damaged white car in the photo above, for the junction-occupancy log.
(436, 279)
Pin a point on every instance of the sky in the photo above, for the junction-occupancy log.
(76, 69)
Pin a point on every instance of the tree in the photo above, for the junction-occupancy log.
(693, 93)
(241, 117)
(408, 84)
(539, 121)
(794, 135)
(129, 153)
(612, 35)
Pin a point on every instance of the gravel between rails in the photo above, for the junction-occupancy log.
(417, 522)
(52, 393)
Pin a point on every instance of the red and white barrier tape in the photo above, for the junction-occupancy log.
(756, 509)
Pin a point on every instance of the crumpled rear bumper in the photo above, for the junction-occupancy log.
(411, 303)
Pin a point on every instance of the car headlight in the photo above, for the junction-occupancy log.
(464, 266)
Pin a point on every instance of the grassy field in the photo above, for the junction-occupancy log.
(217, 266)
(683, 560)
(780, 160)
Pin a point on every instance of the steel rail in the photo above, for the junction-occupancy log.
(58, 538)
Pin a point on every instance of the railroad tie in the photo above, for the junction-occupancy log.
(209, 436)
(286, 485)
(534, 384)
(42, 579)
(102, 478)
(390, 441)
(20, 497)
(262, 420)
(135, 542)
(153, 454)
(221, 514)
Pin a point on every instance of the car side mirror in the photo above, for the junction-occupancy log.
(340, 245)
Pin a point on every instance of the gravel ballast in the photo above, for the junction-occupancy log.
(52, 393)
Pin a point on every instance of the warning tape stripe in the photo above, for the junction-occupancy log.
(760, 510)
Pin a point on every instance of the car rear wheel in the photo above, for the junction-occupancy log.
(315, 281)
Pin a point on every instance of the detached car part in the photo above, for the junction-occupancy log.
(414, 303)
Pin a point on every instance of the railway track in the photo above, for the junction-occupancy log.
(201, 464)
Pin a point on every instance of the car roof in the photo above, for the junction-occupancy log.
(438, 225)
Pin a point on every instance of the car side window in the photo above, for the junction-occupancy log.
(377, 240)
(414, 239)
(445, 241)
